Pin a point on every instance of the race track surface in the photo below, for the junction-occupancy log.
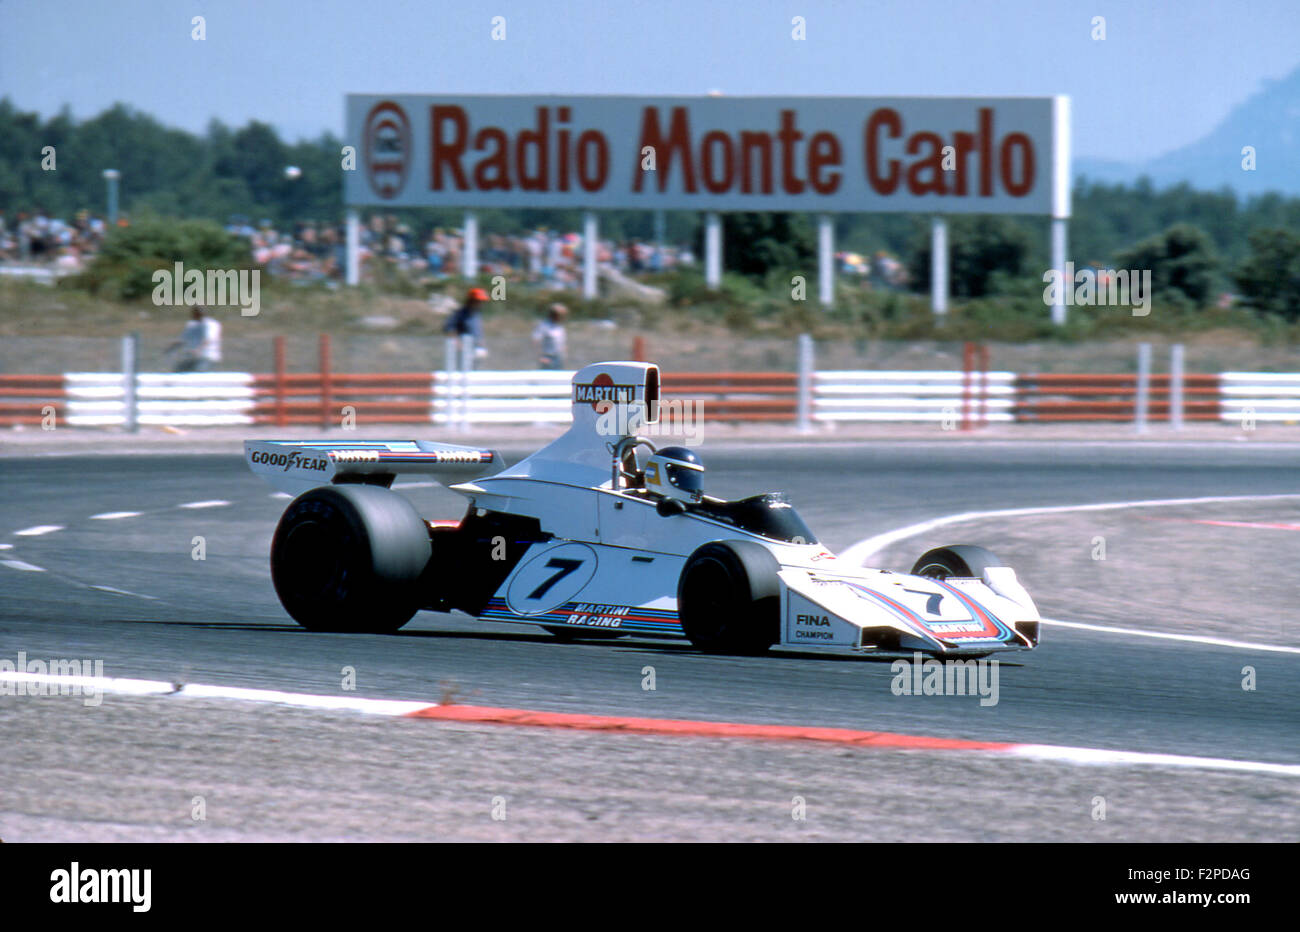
(164, 615)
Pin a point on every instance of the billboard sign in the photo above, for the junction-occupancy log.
(834, 154)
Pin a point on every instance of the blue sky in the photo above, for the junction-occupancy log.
(1168, 71)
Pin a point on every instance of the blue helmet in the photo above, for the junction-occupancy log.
(675, 472)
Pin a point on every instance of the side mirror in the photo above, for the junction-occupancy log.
(667, 507)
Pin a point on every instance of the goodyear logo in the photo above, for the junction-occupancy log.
(294, 460)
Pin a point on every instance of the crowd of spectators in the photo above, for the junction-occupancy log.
(312, 252)
(35, 238)
(316, 252)
(550, 258)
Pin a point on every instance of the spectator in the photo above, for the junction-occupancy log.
(549, 337)
(200, 343)
(466, 325)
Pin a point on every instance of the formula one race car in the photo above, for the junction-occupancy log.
(594, 536)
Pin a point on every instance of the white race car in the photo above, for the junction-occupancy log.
(600, 534)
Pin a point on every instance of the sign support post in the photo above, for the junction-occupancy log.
(939, 266)
(590, 247)
(713, 250)
(354, 248)
(825, 259)
(470, 259)
(1061, 197)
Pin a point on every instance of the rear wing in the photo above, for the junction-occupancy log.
(294, 466)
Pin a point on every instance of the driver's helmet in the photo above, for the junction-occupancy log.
(675, 472)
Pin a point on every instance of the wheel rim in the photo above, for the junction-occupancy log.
(313, 560)
(707, 594)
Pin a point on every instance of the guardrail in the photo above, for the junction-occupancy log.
(1094, 397)
(32, 399)
(861, 395)
(967, 397)
(1259, 396)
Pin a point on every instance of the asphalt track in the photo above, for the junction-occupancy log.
(161, 614)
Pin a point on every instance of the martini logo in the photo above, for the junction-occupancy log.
(387, 148)
(602, 390)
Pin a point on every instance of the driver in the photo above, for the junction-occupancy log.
(675, 472)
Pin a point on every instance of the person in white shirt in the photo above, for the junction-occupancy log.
(550, 338)
(200, 343)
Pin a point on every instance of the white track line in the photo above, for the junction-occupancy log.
(106, 684)
(1168, 636)
(1100, 756)
(304, 700)
(116, 515)
(20, 565)
(116, 591)
(214, 503)
(38, 530)
(863, 550)
(395, 707)
(6, 546)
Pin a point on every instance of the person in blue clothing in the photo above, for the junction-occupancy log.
(467, 322)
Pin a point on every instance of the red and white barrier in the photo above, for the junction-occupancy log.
(968, 398)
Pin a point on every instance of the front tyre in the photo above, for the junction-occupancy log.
(960, 560)
(349, 558)
(729, 598)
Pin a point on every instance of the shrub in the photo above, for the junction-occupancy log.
(124, 267)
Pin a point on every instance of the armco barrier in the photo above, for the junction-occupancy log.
(735, 396)
(327, 398)
(543, 397)
(501, 397)
(191, 399)
(27, 399)
(857, 395)
(1091, 397)
(1259, 396)
(88, 399)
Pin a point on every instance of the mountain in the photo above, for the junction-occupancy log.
(1269, 121)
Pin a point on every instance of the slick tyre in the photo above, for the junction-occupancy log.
(729, 598)
(960, 560)
(349, 558)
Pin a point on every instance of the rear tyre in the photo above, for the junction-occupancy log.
(349, 558)
(961, 560)
(729, 598)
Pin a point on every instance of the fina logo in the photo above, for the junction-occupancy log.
(387, 148)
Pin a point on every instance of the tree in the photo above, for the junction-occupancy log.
(754, 244)
(1181, 260)
(1270, 276)
(978, 249)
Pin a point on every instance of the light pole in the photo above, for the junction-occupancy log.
(111, 175)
